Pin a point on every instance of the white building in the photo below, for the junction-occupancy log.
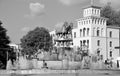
(93, 32)
(16, 48)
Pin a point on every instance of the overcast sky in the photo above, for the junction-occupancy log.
(20, 16)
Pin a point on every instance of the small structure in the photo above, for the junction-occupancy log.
(62, 37)
(16, 48)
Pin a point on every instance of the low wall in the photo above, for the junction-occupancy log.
(59, 64)
(50, 64)
(57, 72)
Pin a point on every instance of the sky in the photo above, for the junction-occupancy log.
(21, 16)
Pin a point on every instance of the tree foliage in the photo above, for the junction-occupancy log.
(112, 15)
(39, 38)
(4, 46)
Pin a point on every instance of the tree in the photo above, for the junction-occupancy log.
(118, 18)
(39, 38)
(4, 46)
(112, 15)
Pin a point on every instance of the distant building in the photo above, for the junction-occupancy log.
(16, 48)
(62, 38)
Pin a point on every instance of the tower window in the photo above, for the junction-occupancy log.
(95, 21)
(80, 32)
(110, 43)
(87, 31)
(98, 12)
(110, 53)
(95, 11)
(103, 22)
(98, 43)
(84, 42)
(84, 31)
(92, 11)
(88, 43)
(80, 43)
(98, 32)
(110, 33)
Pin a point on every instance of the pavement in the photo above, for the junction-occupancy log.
(46, 72)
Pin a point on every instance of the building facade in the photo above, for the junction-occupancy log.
(61, 37)
(93, 33)
(16, 48)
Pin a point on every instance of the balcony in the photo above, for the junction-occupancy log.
(63, 44)
(63, 38)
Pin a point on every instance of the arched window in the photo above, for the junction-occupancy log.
(100, 21)
(74, 34)
(98, 32)
(87, 31)
(84, 31)
(110, 43)
(98, 52)
(80, 43)
(80, 32)
(92, 21)
(110, 33)
(110, 53)
(95, 21)
(92, 11)
(95, 11)
(98, 43)
(84, 42)
(98, 12)
(103, 22)
(102, 32)
(89, 21)
(88, 43)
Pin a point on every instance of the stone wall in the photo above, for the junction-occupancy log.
(59, 64)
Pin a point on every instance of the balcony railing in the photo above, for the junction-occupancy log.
(63, 44)
(63, 38)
